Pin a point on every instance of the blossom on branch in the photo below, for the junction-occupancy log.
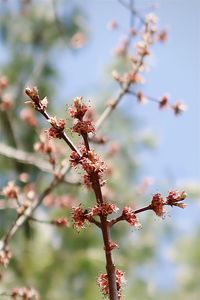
(79, 216)
(5, 256)
(78, 110)
(157, 204)
(104, 209)
(25, 293)
(83, 127)
(175, 198)
(61, 222)
(102, 281)
(129, 215)
(11, 191)
(57, 129)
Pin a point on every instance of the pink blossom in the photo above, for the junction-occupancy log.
(158, 205)
(130, 216)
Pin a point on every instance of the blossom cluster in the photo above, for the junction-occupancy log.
(6, 101)
(57, 129)
(174, 198)
(91, 163)
(11, 191)
(25, 293)
(5, 256)
(104, 286)
(36, 102)
(104, 209)
(129, 215)
(77, 112)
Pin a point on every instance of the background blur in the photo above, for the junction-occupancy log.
(65, 48)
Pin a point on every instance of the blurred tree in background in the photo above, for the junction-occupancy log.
(61, 263)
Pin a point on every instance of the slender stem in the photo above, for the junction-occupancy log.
(137, 211)
(125, 90)
(63, 134)
(21, 219)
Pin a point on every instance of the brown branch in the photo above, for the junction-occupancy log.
(25, 157)
(137, 211)
(104, 225)
(62, 134)
(131, 8)
(125, 89)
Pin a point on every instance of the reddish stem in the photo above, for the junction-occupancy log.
(105, 228)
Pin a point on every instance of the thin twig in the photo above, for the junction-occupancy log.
(125, 89)
(25, 157)
(21, 219)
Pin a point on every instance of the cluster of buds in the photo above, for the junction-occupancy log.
(104, 209)
(57, 129)
(157, 205)
(44, 145)
(91, 164)
(65, 201)
(6, 102)
(129, 215)
(80, 217)
(102, 281)
(174, 198)
(61, 222)
(25, 293)
(36, 102)
(78, 111)
(5, 256)
(11, 191)
(131, 77)
(28, 116)
(164, 102)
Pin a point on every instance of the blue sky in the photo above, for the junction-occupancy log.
(174, 70)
